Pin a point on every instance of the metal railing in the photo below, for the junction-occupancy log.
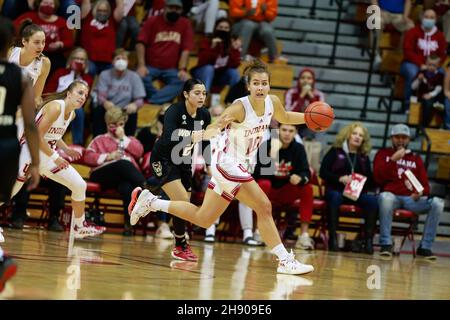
(371, 50)
(336, 30)
(421, 131)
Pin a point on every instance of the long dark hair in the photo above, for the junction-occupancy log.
(61, 95)
(26, 31)
(7, 33)
(188, 86)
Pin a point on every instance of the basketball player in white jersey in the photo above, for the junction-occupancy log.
(230, 154)
(52, 122)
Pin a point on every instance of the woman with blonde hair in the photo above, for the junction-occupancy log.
(349, 156)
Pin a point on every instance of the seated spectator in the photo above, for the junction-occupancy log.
(297, 99)
(349, 154)
(163, 48)
(397, 192)
(207, 12)
(118, 87)
(114, 158)
(58, 38)
(428, 85)
(395, 13)
(255, 17)
(129, 26)
(447, 99)
(419, 43)
(219, 57)
(98, 32)
(287, 179)
(76, 68)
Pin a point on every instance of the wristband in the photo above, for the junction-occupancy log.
(54, 156)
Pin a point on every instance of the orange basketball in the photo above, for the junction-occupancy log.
(319, 116)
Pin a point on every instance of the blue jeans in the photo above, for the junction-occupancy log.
(433, 207)
(409, 71)
(209, 75)
(447, 114)
(78, 127)
(173, 85)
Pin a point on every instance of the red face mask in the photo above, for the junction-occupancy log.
(46, 9)
(77, 66)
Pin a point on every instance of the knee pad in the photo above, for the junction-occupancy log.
(78, 189)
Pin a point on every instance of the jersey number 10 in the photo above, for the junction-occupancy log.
(253, 145)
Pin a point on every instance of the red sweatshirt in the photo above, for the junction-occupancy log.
(54, 31)
(389, 175)
(294, 102)
(98, 149)
(418, 45)
(216, 56)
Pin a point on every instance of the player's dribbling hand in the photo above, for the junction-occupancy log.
(61, 163)
(197, 136)
(72, 153)
(224, 121)
(35, 177)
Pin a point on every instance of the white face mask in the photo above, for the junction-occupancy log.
(121, 64)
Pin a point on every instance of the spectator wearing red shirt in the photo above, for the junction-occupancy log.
(98, 32)
(255, 17)
(58, 38)
(114, 159)
(397, 192)
(419, 43)
(219, 57)
(75, 69)
(163, 50)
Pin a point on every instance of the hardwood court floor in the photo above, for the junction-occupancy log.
(115, 267)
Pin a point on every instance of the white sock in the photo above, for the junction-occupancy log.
(161, 205)
(79, 222)
(245, 216)
(280, 251)
(211, 230)
(248, 233)
(1, 252)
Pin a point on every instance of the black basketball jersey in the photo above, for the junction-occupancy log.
(10, 98)
(175, 142)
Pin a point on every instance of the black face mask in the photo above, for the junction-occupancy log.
(172, 16)
(224, 35)
(101, 17)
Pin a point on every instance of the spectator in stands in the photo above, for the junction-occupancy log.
(447, 99)
(98, 32)
(154, 7)
(58, 38)
(398, 192)
(395, 13)
(419, 43)
(163, 48)
(128, 26)
(442, 8)
(297, 99)
(255, 17)
(207, 12)
(114, 158)
(14, 8)
(119, 87)
(76, 68)
(287, 178)
(429, 87)
(219, 57)
(349, 154)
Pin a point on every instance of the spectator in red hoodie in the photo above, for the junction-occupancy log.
(114, 158)
(219, 57)
(397, 192)
(58, 38)
(76, 68)
(419, 43)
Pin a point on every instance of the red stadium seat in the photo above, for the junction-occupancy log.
(411, 219)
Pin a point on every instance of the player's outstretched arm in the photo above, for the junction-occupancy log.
(28, 112)
(235, 113)
(283, 116)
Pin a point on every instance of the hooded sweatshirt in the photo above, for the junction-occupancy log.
(293, 100)
(418, 45)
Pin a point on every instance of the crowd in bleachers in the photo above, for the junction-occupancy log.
(133, 53)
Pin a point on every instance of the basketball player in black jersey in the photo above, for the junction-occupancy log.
(171, 160)
(15, 90)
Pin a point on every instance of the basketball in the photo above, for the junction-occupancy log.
(319, 116)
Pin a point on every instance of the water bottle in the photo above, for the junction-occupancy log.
(121, 148)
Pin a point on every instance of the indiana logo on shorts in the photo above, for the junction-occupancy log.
(157, 168)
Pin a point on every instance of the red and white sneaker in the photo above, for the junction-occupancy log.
(8, 269)
(97, 229)
(291, 266)
(140, 204)
(185, 254)
(86, 231)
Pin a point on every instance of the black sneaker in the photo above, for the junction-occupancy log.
(54, 225)
(290, 235)
(386, 250)
(426, 253)
(8, 269)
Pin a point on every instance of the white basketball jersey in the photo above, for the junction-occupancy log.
(33, 70)
(242, 140)
(58, 128)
